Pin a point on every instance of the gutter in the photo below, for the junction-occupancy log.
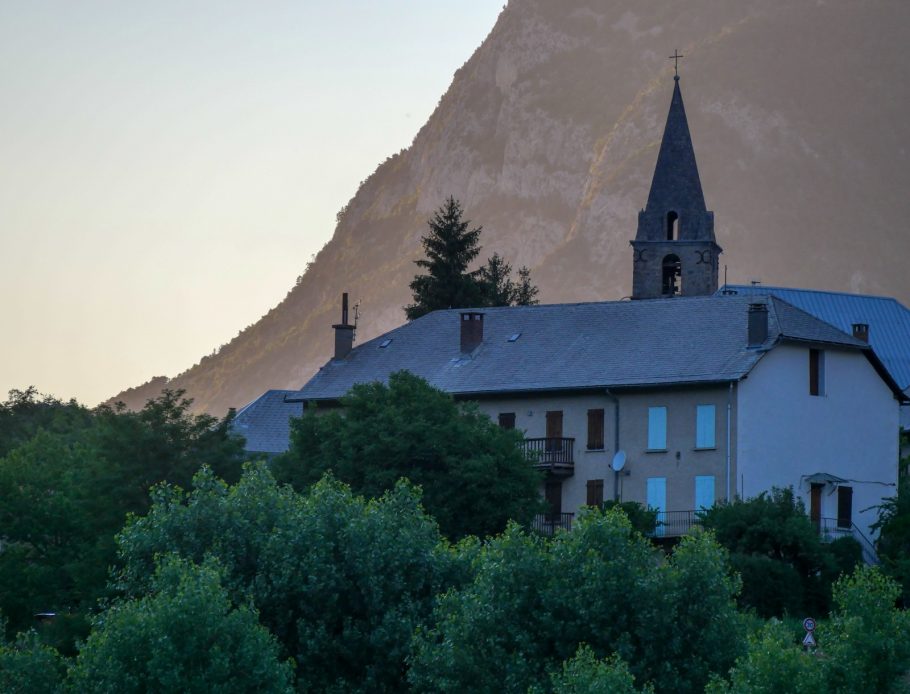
(615, 402)
(729, 427)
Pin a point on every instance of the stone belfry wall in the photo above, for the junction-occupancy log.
(674, 251)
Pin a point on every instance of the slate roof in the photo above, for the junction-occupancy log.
(887, 318)
(676, 184)
(682, 340)
(265, 422)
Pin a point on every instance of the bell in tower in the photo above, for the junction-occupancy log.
(674, 251)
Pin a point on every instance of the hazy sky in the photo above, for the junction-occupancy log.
(168, 168)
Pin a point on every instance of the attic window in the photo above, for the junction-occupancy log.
(385, 343)
(514, 338)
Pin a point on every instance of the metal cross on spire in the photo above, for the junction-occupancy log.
(675, 58)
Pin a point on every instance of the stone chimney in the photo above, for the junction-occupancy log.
(344, 332)
(758, 324)
(471, 331)
(861, 331)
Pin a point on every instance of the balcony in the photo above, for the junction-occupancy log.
(551, 455)
(675, 523)
(548, 523)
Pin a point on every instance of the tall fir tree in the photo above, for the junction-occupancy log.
(525, 292)
(450, 247)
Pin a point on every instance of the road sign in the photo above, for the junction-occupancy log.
(809, 624)
(809, 641)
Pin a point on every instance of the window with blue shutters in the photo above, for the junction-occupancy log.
(657, 428)
(704, 492)
(705, 417)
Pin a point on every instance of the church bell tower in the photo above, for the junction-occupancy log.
(674, 251)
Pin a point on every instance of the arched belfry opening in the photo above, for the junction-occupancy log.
(672, 276)
(672, 226)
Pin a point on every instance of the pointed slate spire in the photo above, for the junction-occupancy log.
(674, 251)
(676, 185)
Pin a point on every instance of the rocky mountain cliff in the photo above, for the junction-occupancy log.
(549, 135)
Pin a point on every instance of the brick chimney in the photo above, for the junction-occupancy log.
(344, 332)
(758, 324)
(861, 331)
(471, 331)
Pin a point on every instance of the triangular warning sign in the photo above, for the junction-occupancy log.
(809, 640)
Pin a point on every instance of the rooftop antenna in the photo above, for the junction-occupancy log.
(356, 314)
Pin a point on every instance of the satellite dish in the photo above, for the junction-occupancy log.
(619, 461)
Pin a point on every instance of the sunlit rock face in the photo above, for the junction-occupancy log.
(549, 136)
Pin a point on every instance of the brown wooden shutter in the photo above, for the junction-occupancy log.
(554, 430)
(595, 430)
(844, 507)
(813, 371)
(595, 492)
(507, 420)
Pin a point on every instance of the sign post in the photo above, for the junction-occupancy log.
(809, 640)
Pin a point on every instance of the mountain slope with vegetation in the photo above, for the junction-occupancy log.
(548, 136)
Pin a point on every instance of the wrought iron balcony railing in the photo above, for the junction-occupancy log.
(549, 523)
(555, 455)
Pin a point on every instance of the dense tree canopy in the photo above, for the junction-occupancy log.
(67, 482)
(184, 635)
(472, 473)
(785, 567)
(451, 246)
(533, 602)
(340, 581)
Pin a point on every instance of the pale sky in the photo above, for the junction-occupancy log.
(167, 168)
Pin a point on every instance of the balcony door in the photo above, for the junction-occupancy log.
(554, 430)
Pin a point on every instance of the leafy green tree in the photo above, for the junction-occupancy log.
(473, 475)
(867, 640)
(773, 664)
(642, 518)
(450, 248)
(27, 666)
(185, 636)
(585, 674)
(785, 566)
(893, 544)
(864, 647)
(534, 601)
(26, 412)
(340, 581)
(67, 490)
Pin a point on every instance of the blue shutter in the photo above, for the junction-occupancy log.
(705, 416)
(704, 492)
(657, 500)
(657, 428)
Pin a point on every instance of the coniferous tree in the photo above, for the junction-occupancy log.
(450, 247)
(496, 282)
(525, 291)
